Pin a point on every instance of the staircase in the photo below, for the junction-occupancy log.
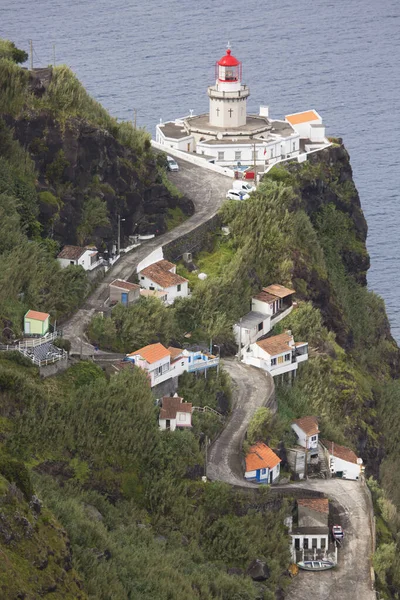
(208, 409)
(323, 463)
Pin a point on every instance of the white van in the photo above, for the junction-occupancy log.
(243, 185)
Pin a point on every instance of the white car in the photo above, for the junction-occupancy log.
(237, 195)
(172, 164)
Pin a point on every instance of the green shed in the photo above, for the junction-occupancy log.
(36, 323)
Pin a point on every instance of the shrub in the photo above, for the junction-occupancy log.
(16, 472)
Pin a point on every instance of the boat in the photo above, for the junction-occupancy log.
(338, 533)
(316, 565)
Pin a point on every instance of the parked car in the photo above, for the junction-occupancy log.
(243, 185)
(172, 164)
(237, 195)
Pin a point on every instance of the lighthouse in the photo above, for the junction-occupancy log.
(228, 96)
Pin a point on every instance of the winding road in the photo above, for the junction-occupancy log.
(253, 388)
(207, 190)
(349, 499)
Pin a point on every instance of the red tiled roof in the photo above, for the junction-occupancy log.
(172, 405)
(152, 353)
(160, 273)
(308, 424)
(124, 285)
(38, 316)
(320, 505)
(174, 352)
(278, 290)
(71, 252)
(260, 456)
(276, 344)
(340, 451)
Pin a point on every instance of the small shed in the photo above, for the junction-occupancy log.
(124, 292)
(36, 323)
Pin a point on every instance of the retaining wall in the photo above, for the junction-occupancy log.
(193, 241)
(195, 159)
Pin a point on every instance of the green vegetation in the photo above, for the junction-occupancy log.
(175, 216)
(137, 524)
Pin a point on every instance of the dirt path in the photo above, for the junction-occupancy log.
(253, 388)
(207, 191)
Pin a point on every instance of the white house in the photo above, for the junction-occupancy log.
(175, 413)
(228, 136)
(161, 276)
(311, 535)
(268, 307)
(343, 461)
(307, 432)
(262, 464)
(278, 354)
(163, 364)
(78, 256)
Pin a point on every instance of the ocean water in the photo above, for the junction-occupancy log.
(340, 57)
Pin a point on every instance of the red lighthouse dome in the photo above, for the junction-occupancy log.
(229, 68)
(228, 60)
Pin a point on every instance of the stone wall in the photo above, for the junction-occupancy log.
(54, 368)
(193, 241)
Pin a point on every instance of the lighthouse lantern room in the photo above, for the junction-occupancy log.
(228, 96)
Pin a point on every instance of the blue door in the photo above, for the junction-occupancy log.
(124, 298)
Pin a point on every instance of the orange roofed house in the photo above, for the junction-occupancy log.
(262, 464)
(307, 432)
(175, 413)
(163, 363)
(161, 276)
(311, 534)
(278, 354)
(268, 307)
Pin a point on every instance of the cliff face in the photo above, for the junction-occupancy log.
(76, 161)
(325, 186)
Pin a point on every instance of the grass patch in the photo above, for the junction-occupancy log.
(175, 216)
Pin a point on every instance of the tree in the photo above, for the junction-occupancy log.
(260, 426)
(9, 50)
(94, 214)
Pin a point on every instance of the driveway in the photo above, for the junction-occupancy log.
(351, 580)
(207, 191)
(252, 388)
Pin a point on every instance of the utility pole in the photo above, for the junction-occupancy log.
(240, 339)
(205, 466)
(306, 458)
(134, 117)
(54, 55)
(255, 163)
(31, 54)
(119, 234)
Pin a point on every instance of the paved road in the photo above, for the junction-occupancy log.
(207, 191)
(253, 388)
(351, 580)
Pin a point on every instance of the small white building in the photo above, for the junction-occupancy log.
(262, 464)
(278, 354)
(308, 125)
(343, 462)
(307, 432)
(76, 255)
(311, 535)
(268, 307)
(161, 276)
(124, 292)
(175, 413)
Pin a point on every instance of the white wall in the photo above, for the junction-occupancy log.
(349, 469)
(310, 537)
(151, 258)
(196, 160)
(249, 336)
(302, 437)
(172, 292)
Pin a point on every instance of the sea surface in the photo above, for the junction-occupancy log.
(157, 56)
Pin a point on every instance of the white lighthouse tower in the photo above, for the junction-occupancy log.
(228, 96)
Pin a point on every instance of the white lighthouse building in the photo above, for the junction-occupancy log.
(229, 137)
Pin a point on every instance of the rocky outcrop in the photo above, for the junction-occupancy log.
(76, 161)
(258, 570)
